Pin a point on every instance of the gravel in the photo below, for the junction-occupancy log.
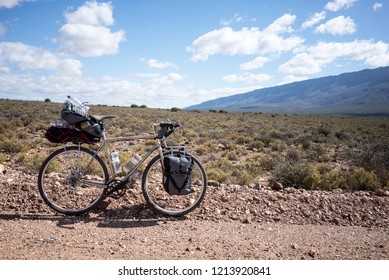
(233, 222)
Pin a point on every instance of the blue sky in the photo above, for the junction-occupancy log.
(176, 53)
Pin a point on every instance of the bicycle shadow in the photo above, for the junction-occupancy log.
(134, 216)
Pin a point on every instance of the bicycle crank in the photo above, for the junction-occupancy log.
(116, 189)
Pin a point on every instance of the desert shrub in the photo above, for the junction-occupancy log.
(231, 156)
(372, 155)
(324, 130)
(343, 135)
(291, 174)
(33, 162)
(331, 180)
(217, 175)
(256, 144)
(243, 140)
(293, 155)
(317, 152)
(278, 145)
(304, 141)
(362, 180)
(268, 161)
(324, 177)
(12, 146)
(245, 178)
(276, 135)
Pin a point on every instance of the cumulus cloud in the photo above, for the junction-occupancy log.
(378, 6)
(338, 5)
(247, 41)
(26, 57)
(313, 59)
(257, 62)
(338, 26)
(247, 78)
(166, 80)
(155, 91)
(87, 31)
(154, 63)
(9, 3)
(314, 19)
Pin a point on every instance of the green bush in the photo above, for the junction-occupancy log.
(12, 146)
(291, 174)
(217, 175)
(362, 180)
(323, 177)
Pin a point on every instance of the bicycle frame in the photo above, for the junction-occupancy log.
(160, 146)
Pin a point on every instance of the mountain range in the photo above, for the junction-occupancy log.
(364, 92)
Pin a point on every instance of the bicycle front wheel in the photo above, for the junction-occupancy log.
(174, 205)
(72, 180)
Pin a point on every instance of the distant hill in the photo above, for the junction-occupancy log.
(364, 92)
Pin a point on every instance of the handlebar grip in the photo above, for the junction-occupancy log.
(167, 128)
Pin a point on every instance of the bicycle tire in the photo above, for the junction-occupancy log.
(173, 205)
(58, 180)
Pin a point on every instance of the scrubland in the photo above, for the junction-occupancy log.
(300, 151)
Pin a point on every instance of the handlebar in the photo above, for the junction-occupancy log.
(167, 128)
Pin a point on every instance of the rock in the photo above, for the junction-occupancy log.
(312, 253)
(2, 170)
(102, 205)
(212, 183)
(277, 186)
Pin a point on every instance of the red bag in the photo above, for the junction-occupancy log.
(66, 134)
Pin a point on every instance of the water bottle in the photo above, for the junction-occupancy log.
(75, 101)
(78, 104)
(135, 177)
(116, 162)
(131, 163)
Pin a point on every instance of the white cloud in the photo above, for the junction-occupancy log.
(166, 80)
(26, 57)
(247, 78)
(236, 18)
(339, 5)
(9, 3)
(156, 91)
(314, 19)
(313, 59)
(86, 32)
(338, 26)
(292, 78)
(282, 24)
(378, 6)
(256, 63)
(92, 13)
(247, 41)
(154, 63)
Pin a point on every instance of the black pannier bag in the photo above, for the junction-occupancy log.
(177, 179)
(67, 134)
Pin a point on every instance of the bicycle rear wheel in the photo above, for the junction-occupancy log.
(72, 179)
(174, 205)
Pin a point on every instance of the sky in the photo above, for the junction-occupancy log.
(177, 53)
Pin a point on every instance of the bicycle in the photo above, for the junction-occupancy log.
(74, 179)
